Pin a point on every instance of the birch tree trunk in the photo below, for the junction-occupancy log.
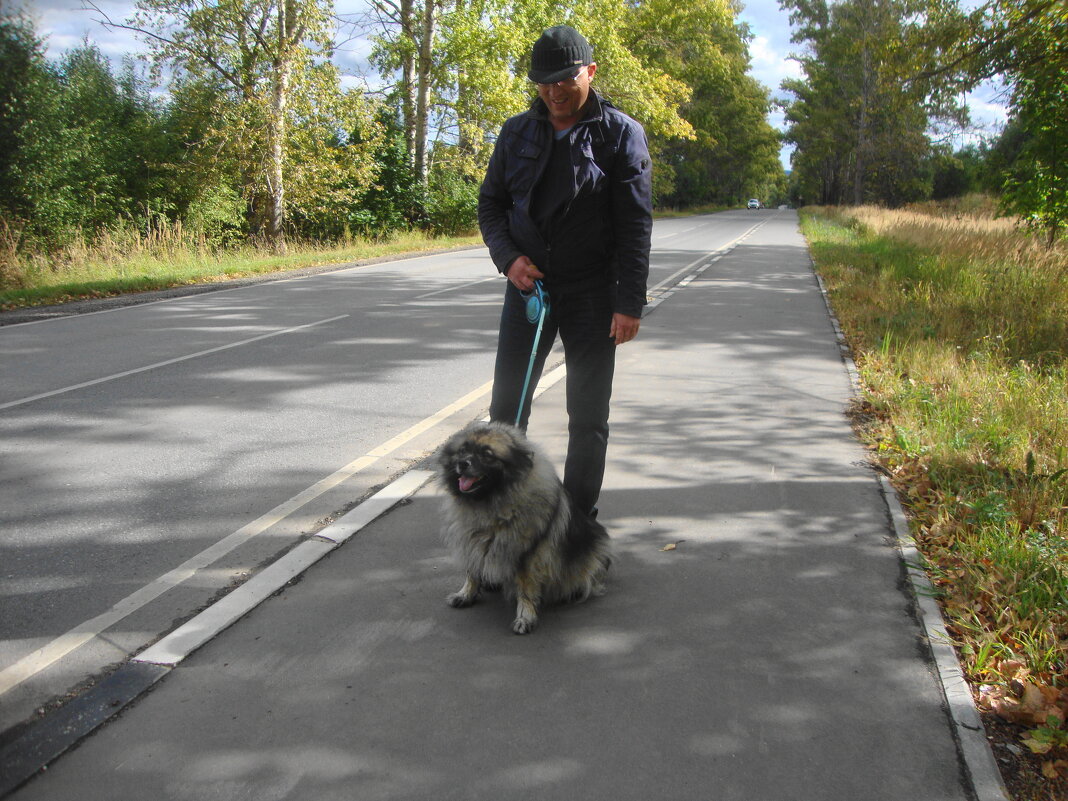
(422, 100)
(290, 33)
(408, 93)
(863, 132)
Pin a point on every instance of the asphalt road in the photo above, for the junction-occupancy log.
(153, 455)
(759, 639)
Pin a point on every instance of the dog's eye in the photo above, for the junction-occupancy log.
(486, 452)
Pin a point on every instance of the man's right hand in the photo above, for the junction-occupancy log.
(522, 273)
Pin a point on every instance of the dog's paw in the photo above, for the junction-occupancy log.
(458, 600)
(522, 625)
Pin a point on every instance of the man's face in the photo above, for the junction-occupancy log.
(565, 99)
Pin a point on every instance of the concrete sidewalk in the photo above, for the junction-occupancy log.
(771, 655)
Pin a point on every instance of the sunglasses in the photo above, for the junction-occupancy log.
(567, 81)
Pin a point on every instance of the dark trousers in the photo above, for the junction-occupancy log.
(583, 320)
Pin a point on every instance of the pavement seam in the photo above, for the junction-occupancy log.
(969, 734)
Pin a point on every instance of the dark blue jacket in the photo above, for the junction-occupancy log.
(603, 235)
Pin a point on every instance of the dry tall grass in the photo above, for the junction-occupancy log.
(972, 228)
(120, 261)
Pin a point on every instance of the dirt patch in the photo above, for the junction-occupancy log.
(1022, 770)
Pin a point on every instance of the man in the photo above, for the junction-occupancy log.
(567, 200)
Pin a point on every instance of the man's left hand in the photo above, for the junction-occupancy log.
(624, 327)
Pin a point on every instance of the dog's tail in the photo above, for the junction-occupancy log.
(593, 580)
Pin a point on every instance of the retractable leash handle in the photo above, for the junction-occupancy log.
(537, 310)
(537, 302)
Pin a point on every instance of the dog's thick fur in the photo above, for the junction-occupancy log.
(512, 525)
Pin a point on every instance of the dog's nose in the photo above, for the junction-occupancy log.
(462, 465)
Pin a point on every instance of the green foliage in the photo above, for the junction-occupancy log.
(1036, 184)
(25, 84)
(1025, 43)
(395, 201)
(451, 205)
(216, 216)
(1044, 739)
(734, 152)
(955, 174)
(77, 141)
(859, 122)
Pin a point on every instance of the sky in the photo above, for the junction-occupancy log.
(65, 23)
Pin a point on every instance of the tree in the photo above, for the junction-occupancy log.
(1025, 43)
(955, 174)
(27, 90)
(268, 64)
(734, 152)
(459, 77)
(77, 145)
(1029, 46)
(405, 42)
(859, 124)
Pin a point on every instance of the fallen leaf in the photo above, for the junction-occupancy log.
(1038, 747)
(1013, 668)
(671, 546)
(1024, 702)
(1052, 770)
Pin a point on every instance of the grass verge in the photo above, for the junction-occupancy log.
(119, 262)
(115, 265)
(958, 327)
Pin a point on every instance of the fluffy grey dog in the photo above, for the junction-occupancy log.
(512, 525)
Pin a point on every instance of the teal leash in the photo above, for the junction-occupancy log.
(537, 310)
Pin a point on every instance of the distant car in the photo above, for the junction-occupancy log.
(754, 203)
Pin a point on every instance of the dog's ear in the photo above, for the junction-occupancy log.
(522, 454)
(447, 452)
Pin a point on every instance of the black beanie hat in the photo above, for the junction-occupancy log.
(558, 54)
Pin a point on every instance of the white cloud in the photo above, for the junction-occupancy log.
(67, 24)
(766, 60)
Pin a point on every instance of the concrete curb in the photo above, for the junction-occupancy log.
(187, 638)
(969, 734)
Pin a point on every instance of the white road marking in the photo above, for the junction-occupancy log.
(677, 233)
(720, 251)
(455, 288)
(181, 642)
(157, 365)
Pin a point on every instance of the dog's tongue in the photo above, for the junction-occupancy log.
(466, 483)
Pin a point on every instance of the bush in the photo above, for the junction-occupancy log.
(451, 205)
(217, 217)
